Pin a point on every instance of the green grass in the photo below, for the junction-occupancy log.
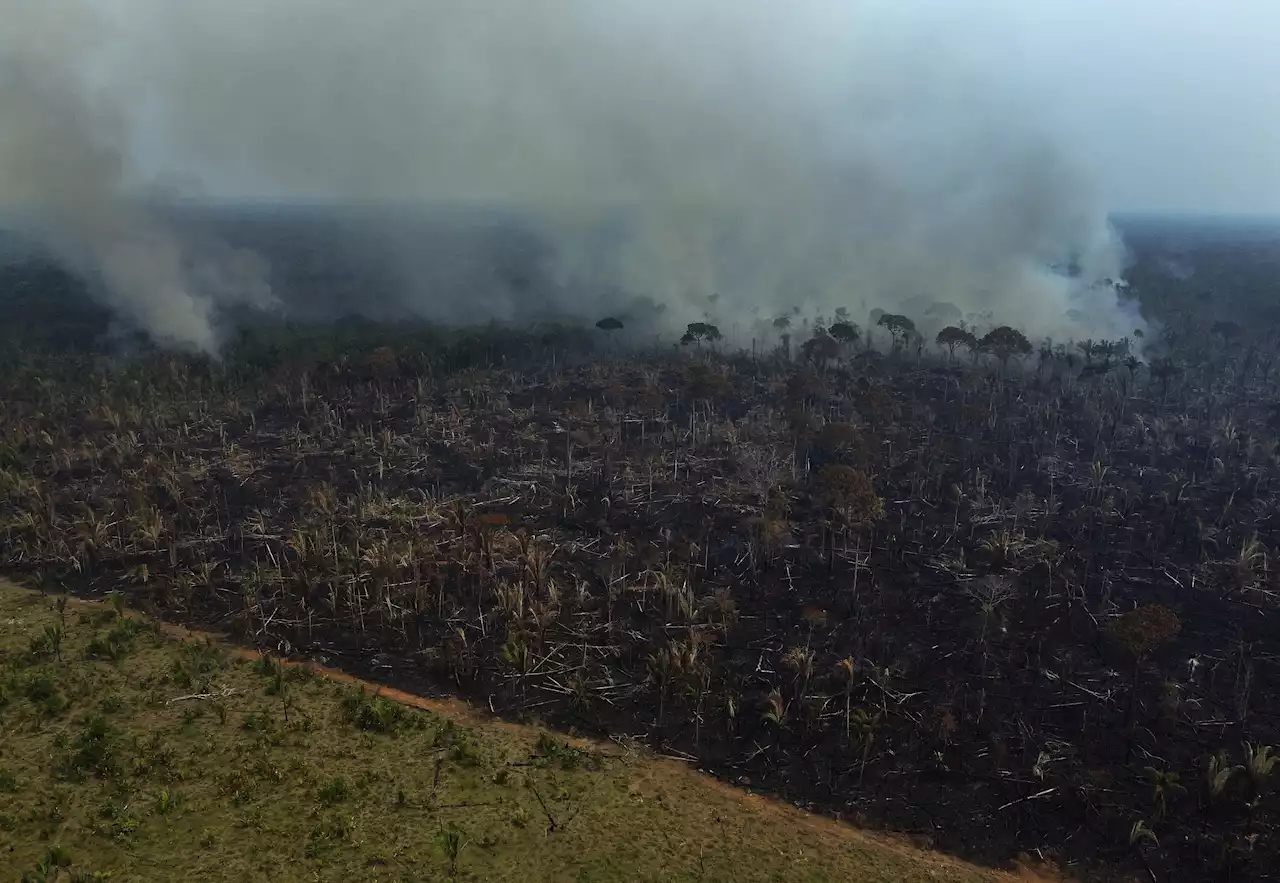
(128, 755)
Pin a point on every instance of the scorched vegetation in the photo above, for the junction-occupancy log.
(1010, 595)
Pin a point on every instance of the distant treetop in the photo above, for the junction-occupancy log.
(845, 332)
(953, 336)
(696, 332)
(900, 327)
(1005, 342)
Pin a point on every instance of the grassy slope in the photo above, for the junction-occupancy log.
(284, 775)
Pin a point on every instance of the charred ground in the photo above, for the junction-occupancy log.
(1020, 609)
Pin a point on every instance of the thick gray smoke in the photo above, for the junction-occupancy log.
(63, 151)
(735, 158)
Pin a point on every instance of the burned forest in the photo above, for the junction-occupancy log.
(1008, 596)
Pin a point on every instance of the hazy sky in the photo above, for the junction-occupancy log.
(1174, 104)
(1171, 104)
(1177, 103)
(820, 152)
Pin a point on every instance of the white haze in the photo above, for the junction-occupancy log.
(62, 165)
(817, 154)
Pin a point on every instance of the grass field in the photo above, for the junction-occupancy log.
(133, 754)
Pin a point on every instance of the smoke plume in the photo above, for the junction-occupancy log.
(63, 178)
(728, 158)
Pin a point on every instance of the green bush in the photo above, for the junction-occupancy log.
(116, 644)
(334, 791)
(375, 713)
(42, 690)
(92, 750)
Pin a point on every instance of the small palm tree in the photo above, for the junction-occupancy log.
(1218, 774)
(865, 725)
(452, 842)
(844, 671)
(1098, 477)
(1253, 556)
(1164, 784)
(52, 638)
(1140, 832)
(1259, 763)
(516, 653)
(800, 661)
(775, 710)
(661, 667)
